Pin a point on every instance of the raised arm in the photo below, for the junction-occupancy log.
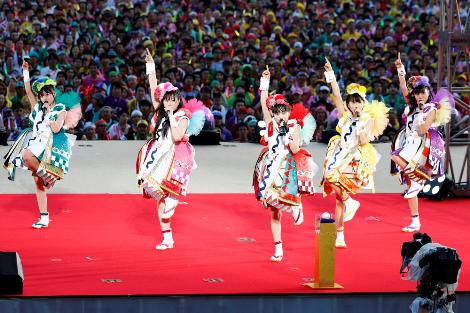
(27, 85)
(57, 125)
(178, 130)
(365, 131)
(331, 78)
(294, 140)
(401, 76)
(427, 122)
(264, 87)
(150, 66)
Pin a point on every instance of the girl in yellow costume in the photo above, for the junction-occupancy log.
(350, 158)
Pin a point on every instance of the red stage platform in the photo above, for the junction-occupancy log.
(104, 245)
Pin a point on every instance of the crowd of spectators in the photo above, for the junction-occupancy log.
(214, 50)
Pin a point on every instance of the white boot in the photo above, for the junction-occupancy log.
(351, 207)
(170, 206)
(414, 189)
(168, 242)
(42, 222)
(415, 225)
(340, 243)
(298, 215)
(278, 253)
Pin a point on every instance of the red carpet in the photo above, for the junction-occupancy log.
(223, 245)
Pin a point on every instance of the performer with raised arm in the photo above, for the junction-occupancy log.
(45, 149)
(284, 171)
(350, 159)
(165, 161)
(418, 149)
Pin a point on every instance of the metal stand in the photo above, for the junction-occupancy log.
(454, 40)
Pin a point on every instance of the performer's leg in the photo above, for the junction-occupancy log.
(339, 212)
(413, 204)
(276, 231)
(30, 161)
(350, 207)
(164, 222)
(415, 222)
(169, 207)
(165, 225)
(411, 195)
(398, 160)
(298, 214)
(41, 197)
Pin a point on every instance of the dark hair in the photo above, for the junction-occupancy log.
(117, 85)
(279, 106)
(355, 97)
(140, 86)
(412, 99)
(161, 113)
(145, 102)
(242, 124)
(205, 89)
(48, 89)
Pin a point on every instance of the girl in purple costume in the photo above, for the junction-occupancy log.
(418, 149)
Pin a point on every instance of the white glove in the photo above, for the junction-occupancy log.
(401, 71)
(26, 77)
(150, 68)
(330, 76)
(264, 84)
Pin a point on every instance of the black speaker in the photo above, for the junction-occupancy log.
(206, 137)
(437, 188)
(11, 273)
(327, 134)
(3, 138)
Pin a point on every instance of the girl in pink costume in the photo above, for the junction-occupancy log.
(165, 161)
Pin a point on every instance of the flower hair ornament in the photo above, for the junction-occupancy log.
(356, 88)
(418, 81)
(162, 89)
(279, 99)
(41, 83)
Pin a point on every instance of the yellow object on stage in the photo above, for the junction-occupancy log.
(325, 250)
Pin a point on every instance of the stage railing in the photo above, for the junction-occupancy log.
(454, 40)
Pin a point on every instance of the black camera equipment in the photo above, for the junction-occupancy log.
(441, 267)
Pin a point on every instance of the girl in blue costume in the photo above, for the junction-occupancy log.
(45, 149)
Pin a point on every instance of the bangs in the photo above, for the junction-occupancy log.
(173, 95)
(355, 97)
(46, 90)
(280, 108)
(419, 89)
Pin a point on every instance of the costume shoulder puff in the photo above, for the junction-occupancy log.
(59, 107)
(184, 113)
(378, 112)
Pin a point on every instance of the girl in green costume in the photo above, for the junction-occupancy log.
(45, 149)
